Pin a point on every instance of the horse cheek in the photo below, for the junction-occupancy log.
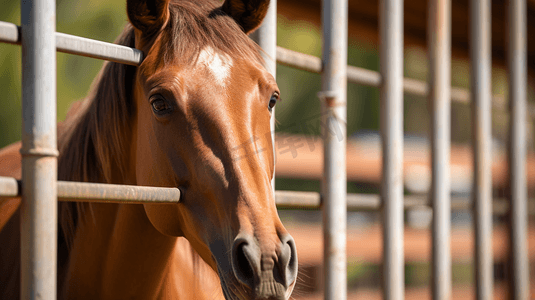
(165, 218)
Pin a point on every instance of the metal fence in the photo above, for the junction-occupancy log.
(40, 190)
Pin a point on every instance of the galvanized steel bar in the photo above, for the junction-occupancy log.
(10, 33)
(363, 76)
(391, 65)
(480, 73)
(115, 193)
(111, 193)
(367, 77)
(39, 151)
(517, 63)
(439, 51)
(9, 187)
(98, 192)
(311, 63)
(97, 49)
(301, 61)
(372, 202)
(334, 120)
(266, 37)
(297, 199)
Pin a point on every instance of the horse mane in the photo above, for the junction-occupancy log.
(93, 142)
(93, 147)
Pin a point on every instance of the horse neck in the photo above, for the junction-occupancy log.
(118, 254)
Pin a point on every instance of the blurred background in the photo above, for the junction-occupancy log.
(299, 154)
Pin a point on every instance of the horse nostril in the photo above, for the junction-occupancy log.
(288, 260)
(243, 261)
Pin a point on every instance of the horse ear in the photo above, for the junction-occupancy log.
(148, 16)
(247, 13)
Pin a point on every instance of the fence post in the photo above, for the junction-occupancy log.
(334, 116)
(266, 38)
(480, 73)
(439, 51)
(517, 68)
(39, 150)
(391, 64)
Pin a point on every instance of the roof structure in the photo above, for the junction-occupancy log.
(363, 24)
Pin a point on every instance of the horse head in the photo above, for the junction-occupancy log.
(203, 104)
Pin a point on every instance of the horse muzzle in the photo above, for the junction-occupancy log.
(266, 272)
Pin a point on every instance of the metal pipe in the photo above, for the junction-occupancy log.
(115, 193)
(367, 77)
(301, 61)
(10, 33)
(39, 151)
(480, 73)
(372, 202)
(66, 43)
(112, 193)
(297, 199)
(517, 62)
(98, 49)
(9, 187)
(439, 51)
(391, 62)
(98, 192)
(266, 38)
(334, 120)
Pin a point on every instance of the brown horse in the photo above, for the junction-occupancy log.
(194, 115)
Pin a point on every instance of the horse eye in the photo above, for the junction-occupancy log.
(273, 101)
(160, 105)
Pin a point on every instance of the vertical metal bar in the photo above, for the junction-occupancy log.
(266, 38)
(517, 54)
(439, 51)
(334, 120)
(480, 73)
(391, 63)
(39, 150)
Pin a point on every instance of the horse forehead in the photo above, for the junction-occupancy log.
(218, 64)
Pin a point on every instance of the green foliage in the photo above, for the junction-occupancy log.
(10, 70)
(362, 274)
(101, 20)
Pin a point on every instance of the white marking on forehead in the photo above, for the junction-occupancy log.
(218, 64)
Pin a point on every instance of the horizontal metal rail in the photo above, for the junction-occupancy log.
(10, 33)
(9, 187)
(372, 202)
(131, 194)
(367, 77)
(99, 192)
(114, 193)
